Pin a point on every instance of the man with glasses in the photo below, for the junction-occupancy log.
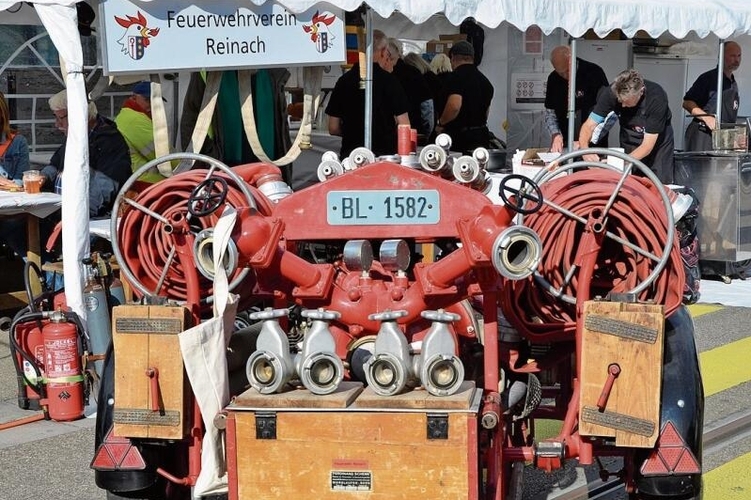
(346, 108)
(109, 158)
(644, 116)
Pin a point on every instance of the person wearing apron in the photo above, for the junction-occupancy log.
(701, 101)
(644, 116)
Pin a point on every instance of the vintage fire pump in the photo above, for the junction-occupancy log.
(411, 321)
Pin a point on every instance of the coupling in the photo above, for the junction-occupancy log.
(271, 366)
(440, 370)
(389, 369)
(318, 366)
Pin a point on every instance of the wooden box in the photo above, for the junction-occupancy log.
(354, 445)
(145, 338)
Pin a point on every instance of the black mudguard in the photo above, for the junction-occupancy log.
(682, 403)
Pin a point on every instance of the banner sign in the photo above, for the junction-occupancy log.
(163, 36)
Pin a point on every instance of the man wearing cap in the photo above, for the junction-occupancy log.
(134, 123)
(465, 115)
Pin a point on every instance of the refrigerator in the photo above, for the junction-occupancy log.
(675, 75)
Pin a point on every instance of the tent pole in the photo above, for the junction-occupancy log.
(368, 77)
(720, 76)
(572, 97)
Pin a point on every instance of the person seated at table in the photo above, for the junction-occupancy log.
(14, 161)
(109, 168)
(109, 157)
(14, 150)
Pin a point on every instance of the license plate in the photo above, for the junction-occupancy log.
(383, 207)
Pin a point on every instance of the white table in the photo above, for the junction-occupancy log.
(34, 206)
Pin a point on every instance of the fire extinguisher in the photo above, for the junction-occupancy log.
(26, 338)
(50, 347)
(113, 286)
(63, 372)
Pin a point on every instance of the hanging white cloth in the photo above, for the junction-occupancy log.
(204, 351)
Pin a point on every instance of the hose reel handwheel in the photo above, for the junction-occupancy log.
(207, 196)
(528, 190)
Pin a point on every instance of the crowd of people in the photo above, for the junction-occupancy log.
(447, 94)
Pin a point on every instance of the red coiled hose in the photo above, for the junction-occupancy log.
(146, 246)
(637, 215)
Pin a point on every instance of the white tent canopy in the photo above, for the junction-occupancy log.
(723, 18)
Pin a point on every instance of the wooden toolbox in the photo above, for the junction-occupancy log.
(146, 343)
(353, 444)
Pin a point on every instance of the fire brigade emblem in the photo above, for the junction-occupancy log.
(137, 35)
(319, 30)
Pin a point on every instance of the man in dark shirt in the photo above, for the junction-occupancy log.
(416, 87)
(346, 108)
(701, 101)
(644, 116)
(590, 78)
(465, 115)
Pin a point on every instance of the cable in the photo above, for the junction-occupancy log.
(637, 216)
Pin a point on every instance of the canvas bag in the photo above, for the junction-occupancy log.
(204, 351)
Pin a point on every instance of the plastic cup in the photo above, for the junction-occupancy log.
(32, 181)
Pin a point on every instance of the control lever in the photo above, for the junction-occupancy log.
(613, 371)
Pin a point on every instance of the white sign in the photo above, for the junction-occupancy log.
(528, 90)
(161, 36)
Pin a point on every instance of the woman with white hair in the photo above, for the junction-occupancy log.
(440, 64)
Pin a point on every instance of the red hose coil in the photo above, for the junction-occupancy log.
(637, 215)
(146, 247)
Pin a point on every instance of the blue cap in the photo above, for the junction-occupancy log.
(143, 88)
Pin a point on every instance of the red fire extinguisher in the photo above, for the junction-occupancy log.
(62, 364)
(28, 336)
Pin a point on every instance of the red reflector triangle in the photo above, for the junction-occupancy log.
(133, 460)
(687, 464)
(118, 451)
(654, 465)
(102, 460)
(670, 437)
(671, 456)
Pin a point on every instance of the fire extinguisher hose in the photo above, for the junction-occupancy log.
(637, 216)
